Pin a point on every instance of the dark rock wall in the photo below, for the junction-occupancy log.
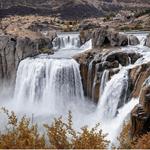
(107, 37)
(147, 43)
(140, 116)
(95, 62)
(14, 49)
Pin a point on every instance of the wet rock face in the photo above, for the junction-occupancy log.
(138, 75)
(140, 121)
(95, 62)
(145, 94)
(140, 116)
(121, 57)
(14, 49)
(106, 37)
(147, 43)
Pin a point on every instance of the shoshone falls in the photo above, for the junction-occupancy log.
(48, 86)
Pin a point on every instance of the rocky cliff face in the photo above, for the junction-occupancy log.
(94, 63)
(13, 49)
(105, 55)
(140, 116)
(107, 37)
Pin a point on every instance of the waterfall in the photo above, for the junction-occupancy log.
(52, 84)
(48, 82)
(114, 93)
(104, 79)
(66, 41)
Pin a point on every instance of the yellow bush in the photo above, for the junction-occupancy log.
(143, 142)
(63, 136)
(140, 142)
(124, 139)
(20, 134)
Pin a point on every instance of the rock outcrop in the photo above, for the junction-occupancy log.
(133, 40)
(13, 49)
(140, 87)
(147, 42)
(140, 116)
(93, 63)
(104, 37)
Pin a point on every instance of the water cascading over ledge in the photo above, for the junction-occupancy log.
(66, 41)
(52, 83)
(49, 82)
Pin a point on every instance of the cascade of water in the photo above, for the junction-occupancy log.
(128, 39)
(90, 77)
(114, 126)
(104, 79)
(142, 38)
(114, 92)
(52, 82)
(66, 41)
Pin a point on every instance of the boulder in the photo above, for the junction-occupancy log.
(133, 56)
(116, 39)
(121, 57)
(147, 42)
(133, 40)
(107, 65)
(104, 37)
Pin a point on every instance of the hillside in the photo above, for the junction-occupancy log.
(69, 9)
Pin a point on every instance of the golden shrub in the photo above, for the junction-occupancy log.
(62, 135)
(20, 134)
(125, 142)
(139, 142)
(143, 142)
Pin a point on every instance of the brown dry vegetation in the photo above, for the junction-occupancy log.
(22, 134)
(126, 142)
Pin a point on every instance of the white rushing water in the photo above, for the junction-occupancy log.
(114, 92)
(50, 86)
(68, 44)
(113, 107)
(67, 41)
(51, 83)
(104, 80)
